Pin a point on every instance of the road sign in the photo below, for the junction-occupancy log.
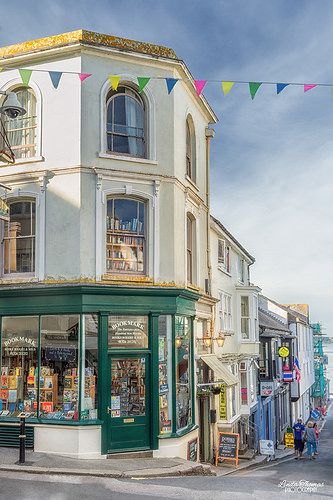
(315, 414)
(266, 447)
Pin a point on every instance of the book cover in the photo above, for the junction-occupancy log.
(31, 380)
(46, 406)
(4, 382)
(12, 381)
(48, 383)
(4, 394)
(32, 394)
(68, 382)
(12, 396)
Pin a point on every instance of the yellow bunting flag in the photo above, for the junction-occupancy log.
(114, 80)
(227, 86)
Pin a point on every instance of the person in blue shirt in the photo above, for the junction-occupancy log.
(299, 429)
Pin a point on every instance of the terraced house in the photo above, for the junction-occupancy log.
(105, 271)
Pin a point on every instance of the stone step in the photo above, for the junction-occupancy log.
(131, 454)
(248, 455)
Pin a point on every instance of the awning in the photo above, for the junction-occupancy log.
(219, 369)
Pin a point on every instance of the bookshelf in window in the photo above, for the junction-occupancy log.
(125, 246)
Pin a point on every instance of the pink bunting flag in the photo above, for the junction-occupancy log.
(84, 76)
(309, 87)
(199, 86)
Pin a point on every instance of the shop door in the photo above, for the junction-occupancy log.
(129, 406)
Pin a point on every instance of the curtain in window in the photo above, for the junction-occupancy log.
(134, 125)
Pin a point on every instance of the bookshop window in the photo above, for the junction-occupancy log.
(183, 371)
(19, 366)
(125, 236)
(165, 373)
(19, 238)
(90, 374)
(59, 374)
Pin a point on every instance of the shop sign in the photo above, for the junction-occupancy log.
(60, 354)
(192, 450)
(283, 352)
(267, 388)
(19, 346)
(266, 447)
(289, 440)
(227, 447)
(128, 333)
(223, 402)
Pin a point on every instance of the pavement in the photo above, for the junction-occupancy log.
(138, 468)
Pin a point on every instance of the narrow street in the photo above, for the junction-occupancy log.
(260, 483)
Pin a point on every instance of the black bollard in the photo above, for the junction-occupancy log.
(22, 441)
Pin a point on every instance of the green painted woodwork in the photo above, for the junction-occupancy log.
(9, 436)
(105, 300)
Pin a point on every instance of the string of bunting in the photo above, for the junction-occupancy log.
(199, 85)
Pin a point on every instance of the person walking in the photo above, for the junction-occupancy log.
(299, 429)
(310, 438)
(315, 426)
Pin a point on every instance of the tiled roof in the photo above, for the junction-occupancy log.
(232, 238)
(268, 322)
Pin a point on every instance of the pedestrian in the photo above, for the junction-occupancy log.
(299, 429)
(310, 438)
(315, 426)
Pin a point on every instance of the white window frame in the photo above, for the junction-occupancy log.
(225, 312)
(13, 84)
(150, 122)
(248, 318)
(241, 269)
(223, 262)
(21, 196)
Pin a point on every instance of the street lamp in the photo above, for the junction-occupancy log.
(11, 106)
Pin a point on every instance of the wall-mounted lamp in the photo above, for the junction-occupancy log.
(207, 341)
(178, 342)
(220, 339)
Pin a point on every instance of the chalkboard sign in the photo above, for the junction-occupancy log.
(60, 354)
(227, 447)
(192, 450)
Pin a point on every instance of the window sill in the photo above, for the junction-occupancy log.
(131, 159)
(178, 434)
(22, 161)
(191, 181)
(19, 278)
(223, 270)
(36, 421)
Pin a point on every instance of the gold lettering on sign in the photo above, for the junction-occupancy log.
(128, 420)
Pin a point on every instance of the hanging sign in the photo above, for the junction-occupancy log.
(227, 447)
(4, 211)
(223, 402)
(283, 352)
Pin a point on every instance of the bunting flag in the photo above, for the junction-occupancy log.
(55, 78)
(25, 75)
(227, 86)
(199, 86)
(84, 76)
(280, 87)
(142, 81)
(114, 81)
(254, 86)
(309, 87)
(170, 83)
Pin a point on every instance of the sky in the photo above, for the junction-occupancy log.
(272, 158)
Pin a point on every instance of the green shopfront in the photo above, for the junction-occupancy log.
(98, 369)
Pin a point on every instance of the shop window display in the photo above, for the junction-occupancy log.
(19, 363)
(165, 373)
(90, 368)
(59, 371)
(183, 374)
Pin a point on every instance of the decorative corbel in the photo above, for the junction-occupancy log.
(45, 179)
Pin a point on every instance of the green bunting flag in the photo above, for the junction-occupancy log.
(25, 75)
(254, 86)
(142, 81)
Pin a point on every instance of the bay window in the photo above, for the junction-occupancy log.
(225, 312)
(245, 317)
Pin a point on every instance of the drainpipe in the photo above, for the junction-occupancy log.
(209, 133)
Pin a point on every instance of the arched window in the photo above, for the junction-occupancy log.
(125, 236)
(22, 131)
(190, 149)
(190, 247)
(20, 238)
(125, 122)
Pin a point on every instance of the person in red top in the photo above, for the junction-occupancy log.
(317, 432)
